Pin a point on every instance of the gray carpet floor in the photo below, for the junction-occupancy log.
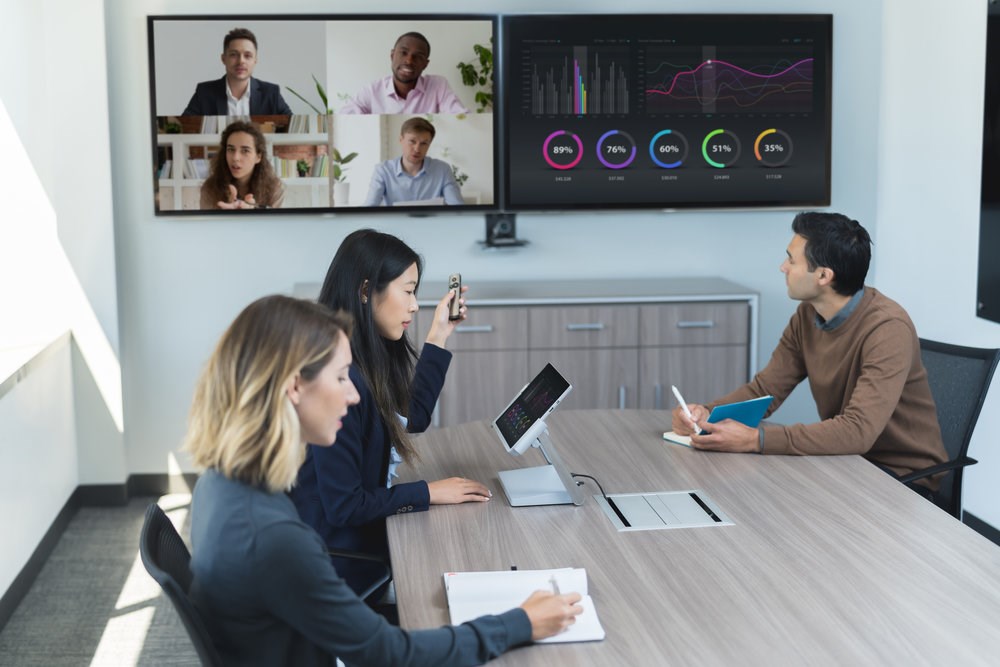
(94, 604)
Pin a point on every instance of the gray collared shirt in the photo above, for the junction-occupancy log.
(842, 315)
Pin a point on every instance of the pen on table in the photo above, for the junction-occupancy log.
(555, 584)
(684, 408)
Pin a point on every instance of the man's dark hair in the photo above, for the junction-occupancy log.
(414, 35)
(838, 243)
(239, 33)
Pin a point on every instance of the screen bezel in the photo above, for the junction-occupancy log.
(236, 19)
(825, 23)
(526, 439)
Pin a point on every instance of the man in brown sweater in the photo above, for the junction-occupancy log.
(859, 350)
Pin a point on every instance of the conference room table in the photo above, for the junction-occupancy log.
(828, 560)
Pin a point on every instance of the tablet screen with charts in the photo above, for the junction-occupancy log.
(522, 420)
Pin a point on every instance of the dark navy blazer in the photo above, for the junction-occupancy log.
(341, 490)
(209, 99)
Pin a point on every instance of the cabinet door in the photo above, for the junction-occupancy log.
(706, 323)
(491, 329)
(484, 329)
(605, 378)
(559, 327)
(480, 384)
(701, 372)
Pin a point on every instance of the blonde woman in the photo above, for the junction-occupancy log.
(263, 582)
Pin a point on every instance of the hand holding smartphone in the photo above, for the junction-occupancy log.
(455, 285)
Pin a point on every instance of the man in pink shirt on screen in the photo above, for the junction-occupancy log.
(406, 90)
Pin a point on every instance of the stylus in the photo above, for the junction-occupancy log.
(684, 409)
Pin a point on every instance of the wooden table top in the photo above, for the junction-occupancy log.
(830, 561)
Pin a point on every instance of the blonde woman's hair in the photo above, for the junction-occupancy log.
(242, 422)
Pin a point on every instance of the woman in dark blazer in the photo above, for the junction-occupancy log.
(345, 492)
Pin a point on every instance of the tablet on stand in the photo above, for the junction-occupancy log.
(520, 426)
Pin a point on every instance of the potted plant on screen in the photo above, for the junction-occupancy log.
(342, 189)
(479, 74)
(337, 181)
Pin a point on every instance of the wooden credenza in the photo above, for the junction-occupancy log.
(620, 343)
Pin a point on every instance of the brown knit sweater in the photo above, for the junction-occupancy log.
(868, 382)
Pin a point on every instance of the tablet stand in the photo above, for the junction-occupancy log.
(543, 485)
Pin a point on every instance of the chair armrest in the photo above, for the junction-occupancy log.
(383, 579)
(357, 555)
(934, 470)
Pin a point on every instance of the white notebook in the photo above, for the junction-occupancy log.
(473, 594)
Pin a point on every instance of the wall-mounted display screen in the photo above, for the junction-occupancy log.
(666, 111)
(307, 113)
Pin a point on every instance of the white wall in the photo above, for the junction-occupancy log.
(928, 198)
(57, 267)
(54, 62)
(39, 456)
(182, 281)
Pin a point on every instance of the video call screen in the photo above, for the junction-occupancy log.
(531, 404)
(665, 111)
(349, 151)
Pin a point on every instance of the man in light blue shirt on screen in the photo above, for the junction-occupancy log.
(413, 178)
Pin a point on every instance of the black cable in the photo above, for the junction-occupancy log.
(609, 501)
(576, 474)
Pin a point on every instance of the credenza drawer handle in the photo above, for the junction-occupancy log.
(475, 328)
(589, 326)
(696, 324)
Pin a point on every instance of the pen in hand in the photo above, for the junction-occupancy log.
(684, 409)
(555, 585)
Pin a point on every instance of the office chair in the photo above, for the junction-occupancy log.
(385, 572)
(959, 378)
(168, 562)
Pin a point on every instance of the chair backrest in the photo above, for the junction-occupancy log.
(168, 562)
(959, 378)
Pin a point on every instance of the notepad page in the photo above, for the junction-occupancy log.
(473, 594)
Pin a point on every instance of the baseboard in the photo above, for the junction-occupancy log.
(110, 495)
(87, 495)
(981, 527)
(101, 495)
(26, 577)
(158, 485)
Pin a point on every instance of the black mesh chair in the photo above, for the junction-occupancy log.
(959, 378)
(168, 562)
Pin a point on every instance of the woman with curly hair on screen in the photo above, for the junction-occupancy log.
(241, 176)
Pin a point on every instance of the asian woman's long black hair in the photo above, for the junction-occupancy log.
(366, 262)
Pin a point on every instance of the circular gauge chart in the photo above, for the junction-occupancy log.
(720, 148)
(562, 150)
(773, 148)
(616, 149)
(668, 149)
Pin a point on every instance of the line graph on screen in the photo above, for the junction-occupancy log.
(708, 80)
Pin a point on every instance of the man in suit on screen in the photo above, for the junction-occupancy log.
(237, 93)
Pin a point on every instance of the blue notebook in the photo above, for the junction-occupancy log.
(746, 412)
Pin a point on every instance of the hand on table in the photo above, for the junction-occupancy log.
(456, 490)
